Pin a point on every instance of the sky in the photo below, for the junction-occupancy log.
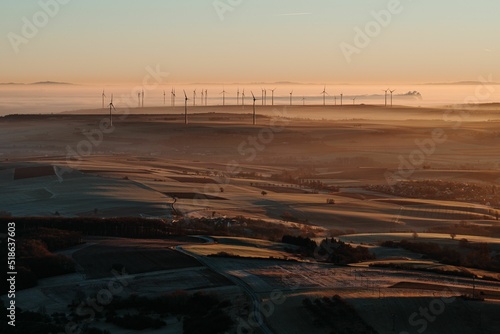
(228, 41)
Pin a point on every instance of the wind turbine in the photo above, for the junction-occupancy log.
(243, 97)
(206, 97)
(111, 107)
(303, 100)
(202, 99)
(223, 96)
(291, 94)
(392, 91)
(265, 97)
(103, 96)
(263, 90)
(143, 98)
(194, 97)
(164, 97)
(238, 97)
(173, 97)
(272, 96)
(341, 99)
(335, 97)
(385, 95)
(354, 101)
(185, 108)
(254, 116)
(139, 100)
(324, 95)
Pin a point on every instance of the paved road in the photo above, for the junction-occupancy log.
(256, 301)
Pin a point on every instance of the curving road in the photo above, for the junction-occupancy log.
(256, 301)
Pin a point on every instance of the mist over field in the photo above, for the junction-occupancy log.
(47, 98)
(250, 167)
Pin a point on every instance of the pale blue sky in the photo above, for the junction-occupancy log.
(91, 41)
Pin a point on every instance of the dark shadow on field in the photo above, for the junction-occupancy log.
(438, 315)
(275, 209)
(99, 260)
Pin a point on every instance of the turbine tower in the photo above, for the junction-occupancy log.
(291, 95)
(143, 98)
(238, 97)
(223, 96)
(272, 96)
(185, 108)
(164, 97)
(254, 115)
(172, 96)
(243, 97)
(202, 98)
(392, 91)
(194, 97)
(385, 95)
(139, 100)
(341, 99)
(206, 97)
(324, 95)
(111, 108)
(103, 96)
(354, 101)
(303, 100)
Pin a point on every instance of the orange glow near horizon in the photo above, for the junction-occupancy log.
(380, 42)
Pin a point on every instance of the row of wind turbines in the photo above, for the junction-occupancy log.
(204, 100)
(241, 97)
(204, 97)
(186, 99)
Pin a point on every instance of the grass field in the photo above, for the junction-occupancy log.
(442, 239)
(99, 260)
(243, 247)
(148, 159)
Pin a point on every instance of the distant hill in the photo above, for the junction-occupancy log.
(252, 83)
(35, 83)
(461, 83)
(50, 83)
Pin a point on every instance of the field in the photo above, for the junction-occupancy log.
(328, 175)
(99, 260)
(442, 239)
(242, 247)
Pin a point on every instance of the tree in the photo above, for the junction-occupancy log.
(415, 235)
(464, 243)
(287, 216)
(453, 235)
(264, 193)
